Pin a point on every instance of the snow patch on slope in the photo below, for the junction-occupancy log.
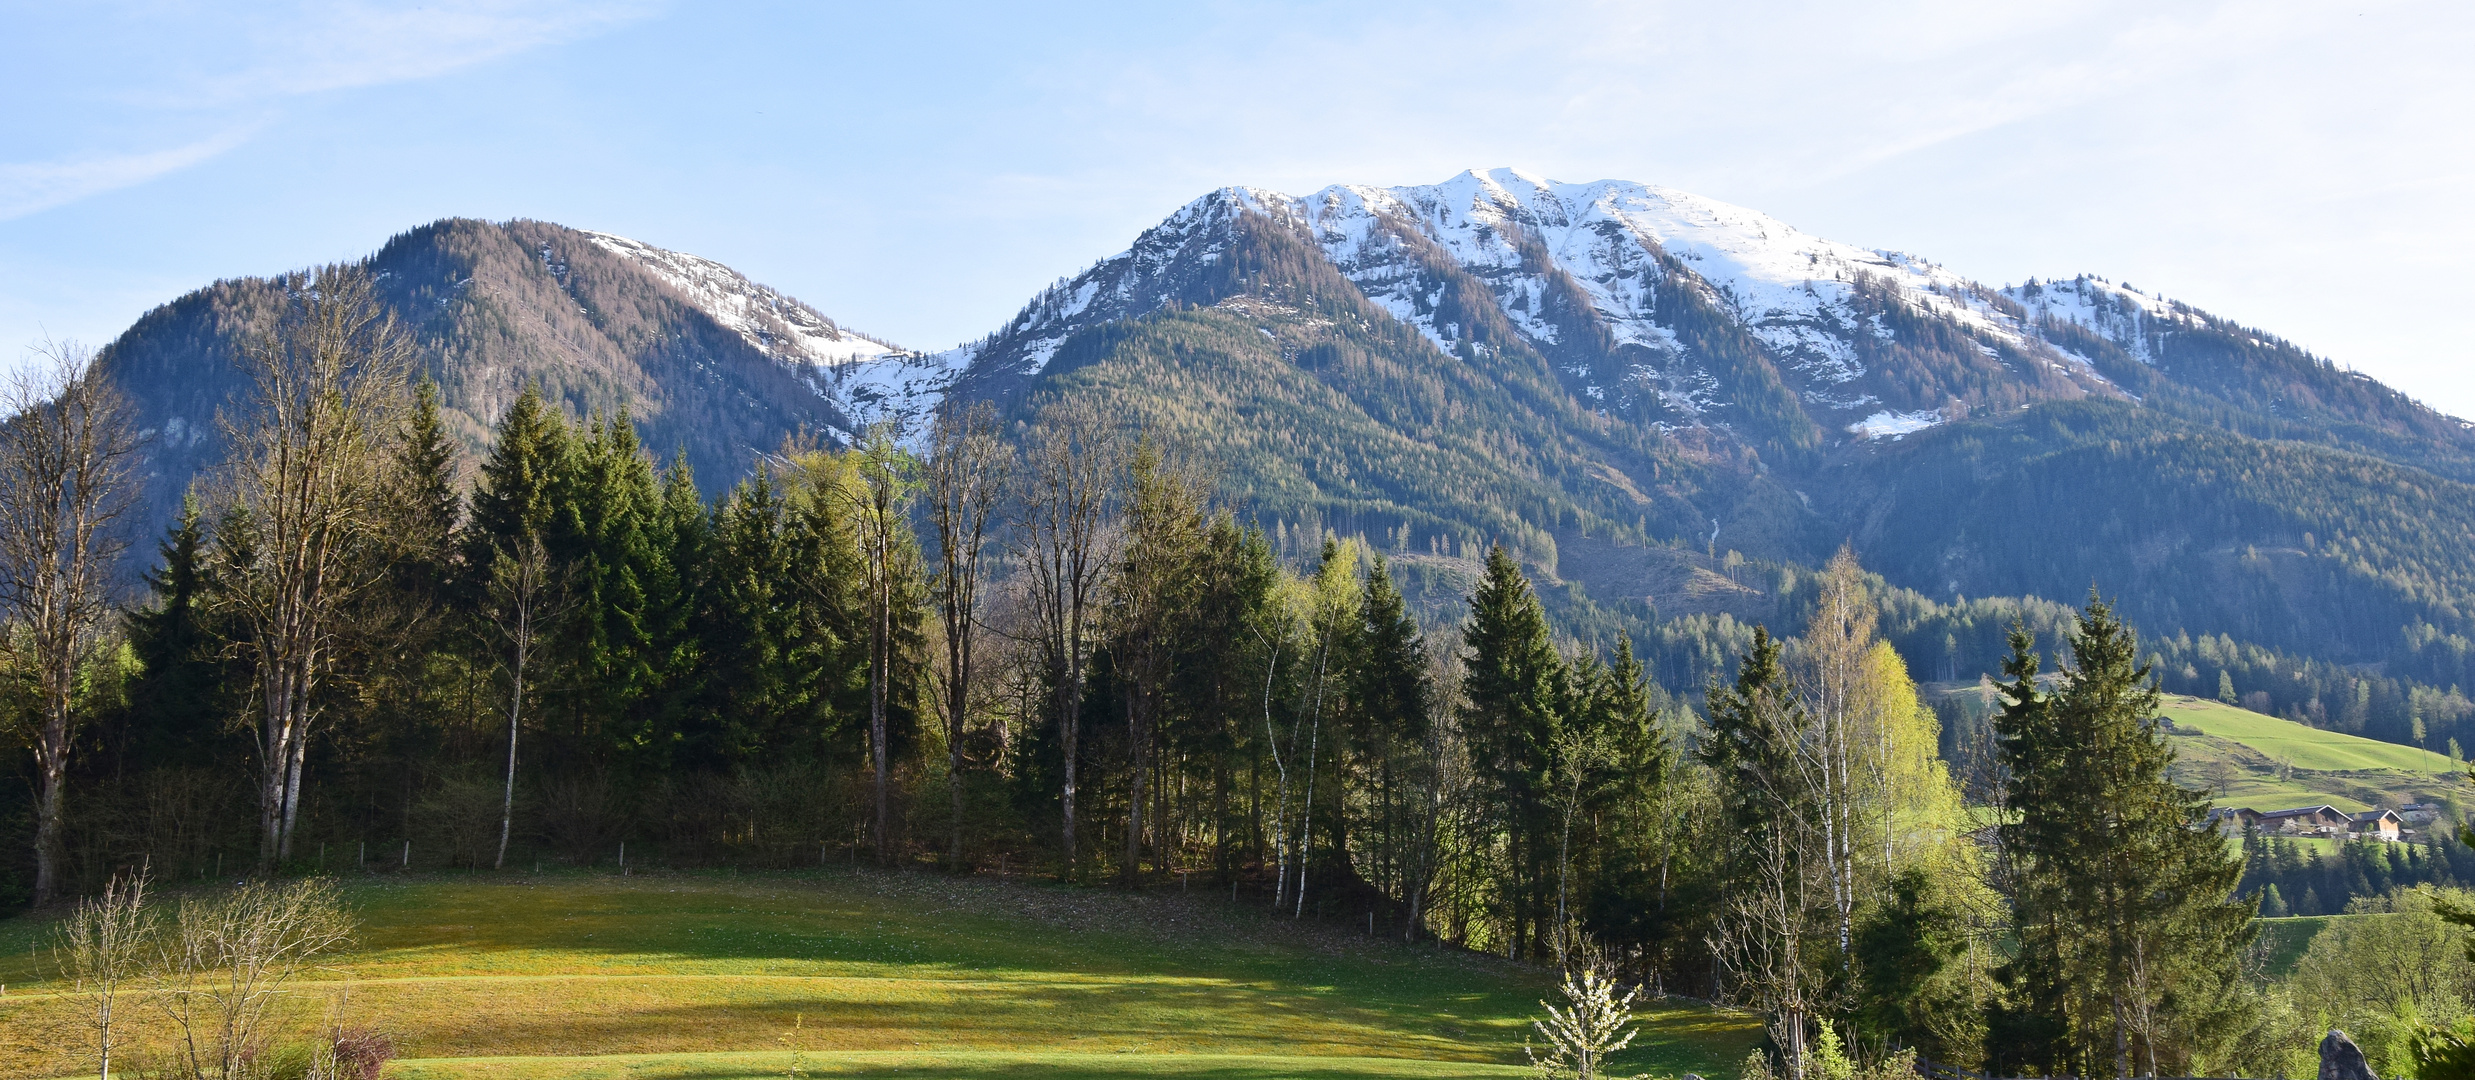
(779, 325)
(1128, 284)
(1894, 425)
(867, 380)
(2118, 313)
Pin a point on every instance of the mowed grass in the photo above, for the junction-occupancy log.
(2300, 745)
(869, 974)
(2271, 764)
(941, 1066)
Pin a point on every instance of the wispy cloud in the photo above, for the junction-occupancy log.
(205, 77)
(313, 47)
(29, 187)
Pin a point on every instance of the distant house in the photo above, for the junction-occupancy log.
(2232, 820)
(2379, 824)
(2417, 813)
(2307, 820)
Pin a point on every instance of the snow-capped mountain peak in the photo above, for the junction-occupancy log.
(1617, 284)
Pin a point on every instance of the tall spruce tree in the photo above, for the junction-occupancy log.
(187, 689)
(681, 536)
(1390, 692)
(519, 494)
(2129, 929)
(1514, 683)
(420, 702)
(1218, 679)
(607, 545)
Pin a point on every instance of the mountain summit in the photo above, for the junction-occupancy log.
(1680, 310)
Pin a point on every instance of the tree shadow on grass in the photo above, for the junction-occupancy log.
(954, 1066)
(653, 1015)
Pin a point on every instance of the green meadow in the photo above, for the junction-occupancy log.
(864, 974)
(2269, 764)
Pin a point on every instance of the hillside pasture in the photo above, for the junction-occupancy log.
(881, 974)
(2266, 763)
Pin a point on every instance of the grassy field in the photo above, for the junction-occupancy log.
(888, 975)
(2282, 941)
(2268, 764)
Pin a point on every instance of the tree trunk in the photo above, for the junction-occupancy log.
(958, 702)
(276, 755)
(1069, 724)
(877, 671)
(507, 799)
(1131, 873)
(953, 785)
(51, 768)
(292, 785)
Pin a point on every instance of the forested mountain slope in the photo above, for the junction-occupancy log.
(1633, 367)
(703, 359)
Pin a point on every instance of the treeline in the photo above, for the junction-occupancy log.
(2312, 879)
(1955, 640)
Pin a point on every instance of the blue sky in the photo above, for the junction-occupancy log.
(918, 170)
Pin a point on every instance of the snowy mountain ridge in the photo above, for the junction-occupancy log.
(1668, 306)
(1626, 249)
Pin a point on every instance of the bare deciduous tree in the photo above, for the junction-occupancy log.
(968, 469)
(229, 958)
(304, 494)
(103, 945)
(1076, 459)
(65, 477)
(1578, 758)
(1440, 781)
(525, 597)
(887, 478)
(1835, 648)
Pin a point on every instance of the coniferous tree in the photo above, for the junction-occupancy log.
(1151, 597)
(431, 507)
(1906, 951)
(1513, 685)
(1391, 693)
(2128, 925)
(605, 542)
(1219, 679)
(522, 488)
(681, 538)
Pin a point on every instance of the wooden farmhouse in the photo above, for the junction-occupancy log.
(2321, 820)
